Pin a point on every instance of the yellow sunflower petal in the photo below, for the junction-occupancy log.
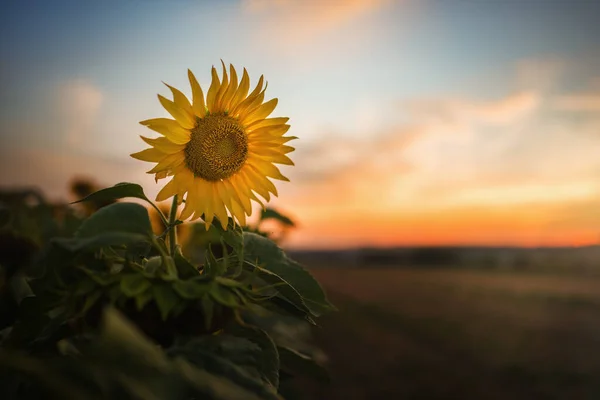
(278, 159)
(261, 112)
(254, 184)
(212, 90)
(242, 90)
(202, 198)
(250, 100)
(232, 202)
(233, 83)
(190, 203)
(160, 175)
(163, 144)
(238, 212)
(269, 151)
(197, 96)
(169, 162)
(277, 130)
(168, 128)
(267, 169)
(272, 141)
(184, 118)
(150, 155)
(219, 205)
(267, 122)
(224, 86)
(250, 104)
(224, 195)
(169, 190)
(261, 180)
(242, 200)
(180, 99)
(209, 210)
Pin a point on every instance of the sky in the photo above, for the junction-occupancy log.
(431, 122)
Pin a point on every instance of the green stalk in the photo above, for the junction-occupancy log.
(172, 228)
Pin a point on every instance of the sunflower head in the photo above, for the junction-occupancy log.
(218, 150)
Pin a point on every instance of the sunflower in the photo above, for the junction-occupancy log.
(219, 150)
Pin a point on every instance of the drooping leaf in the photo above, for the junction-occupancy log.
(119, 191)
(118, 217)
(268, 359)
(272, 258)
(78, 244)
(295, 363)
(279, 285)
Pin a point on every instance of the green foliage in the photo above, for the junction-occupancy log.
(103, 308)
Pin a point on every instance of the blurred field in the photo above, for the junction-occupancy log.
(460, 334)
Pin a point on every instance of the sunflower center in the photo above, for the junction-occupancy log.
(218, 147)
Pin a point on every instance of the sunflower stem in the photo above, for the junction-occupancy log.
(172, 228)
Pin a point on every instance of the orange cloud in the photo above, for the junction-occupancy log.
(502, 111)
(585, 102)
(301, 21)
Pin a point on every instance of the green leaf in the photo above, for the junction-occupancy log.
(233, 237)
(295, 363)
(142, 299)
(75, 245)
(185, 268)
(134, 284)
(117, 217)
(272, 258)
(224, 296)
(168, 270)
(268, 359)
(191, 289)
(119, 191)
(165, 299)
(234, 358)
(152, 265)
(211, 264)
(280, 285)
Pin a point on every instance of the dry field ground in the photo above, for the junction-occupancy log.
(460, 334)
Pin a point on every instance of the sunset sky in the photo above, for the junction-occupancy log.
(420, 122)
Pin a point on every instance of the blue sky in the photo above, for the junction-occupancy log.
(439, 95)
